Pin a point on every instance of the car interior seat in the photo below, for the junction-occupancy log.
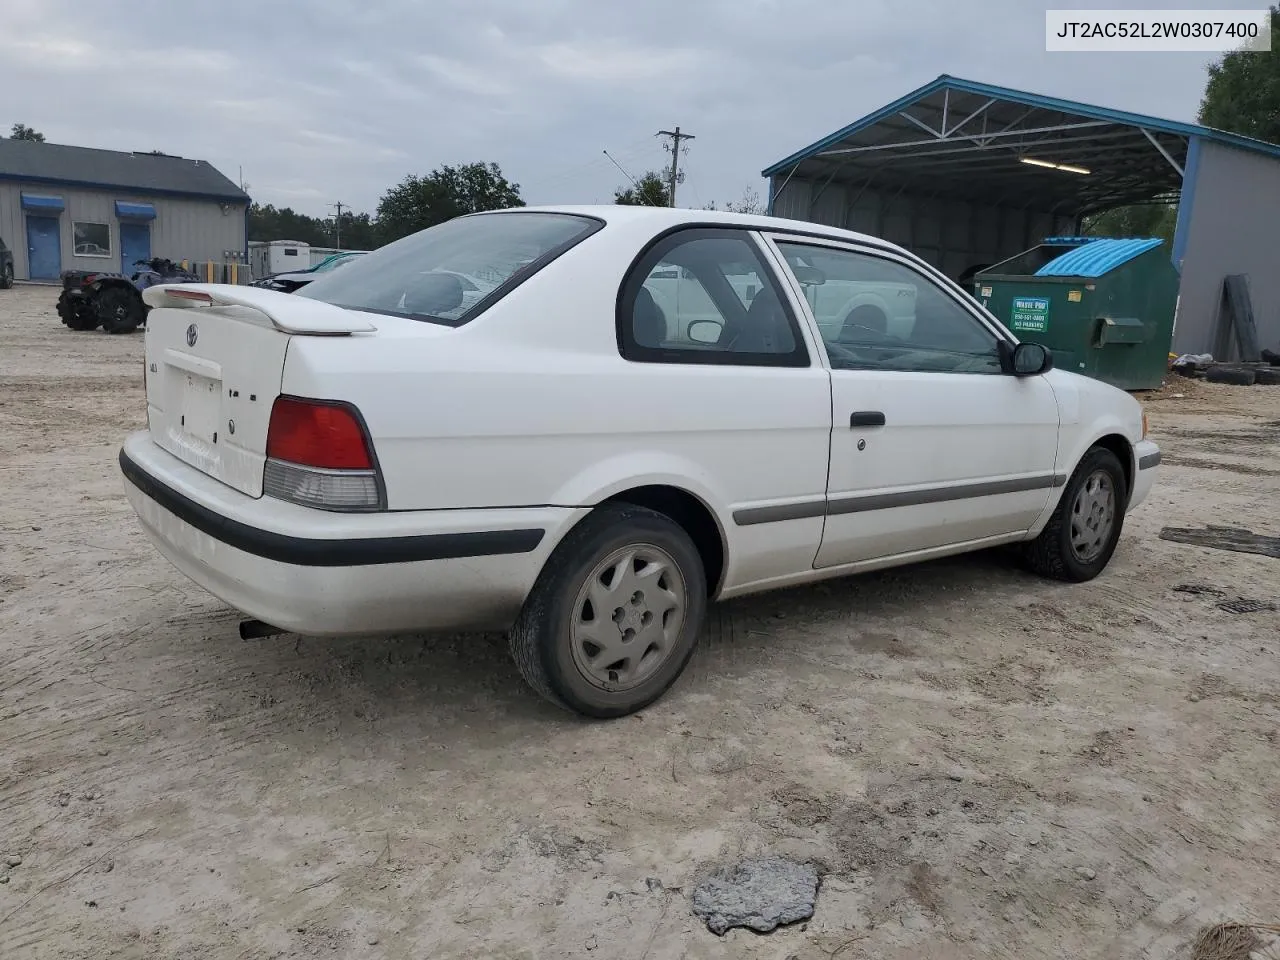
(763, 328)
(434, 294)
(648, 322)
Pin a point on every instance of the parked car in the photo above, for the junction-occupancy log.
(297, 279)
(566, 460)
(6, 266)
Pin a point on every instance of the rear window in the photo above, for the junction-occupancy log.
(450, 272)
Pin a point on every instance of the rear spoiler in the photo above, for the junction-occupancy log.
(288, 312)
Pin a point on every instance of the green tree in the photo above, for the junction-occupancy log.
(267, 222)
(1143, 220)
(359, 231)
(420, 202)
(1243, 93)
(21, 131)
(650, 191)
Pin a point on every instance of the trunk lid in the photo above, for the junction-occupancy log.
(214, 363)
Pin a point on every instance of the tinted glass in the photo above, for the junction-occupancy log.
(705, 296)
(878, 314)
(441, 274)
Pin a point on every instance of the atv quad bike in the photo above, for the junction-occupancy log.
(113, 301)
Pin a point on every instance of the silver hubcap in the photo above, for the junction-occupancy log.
(1092, 516)
(627, 617)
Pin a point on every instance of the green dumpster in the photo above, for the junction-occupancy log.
(1104, 306)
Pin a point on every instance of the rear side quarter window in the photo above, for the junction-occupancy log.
(707, 296)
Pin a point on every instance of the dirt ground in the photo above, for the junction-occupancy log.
(983, 764)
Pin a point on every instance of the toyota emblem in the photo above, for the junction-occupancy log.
(192, 335)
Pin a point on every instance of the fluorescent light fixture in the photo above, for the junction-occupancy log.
(1069, 168)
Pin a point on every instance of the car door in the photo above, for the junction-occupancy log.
(735, 383)
(932, 444)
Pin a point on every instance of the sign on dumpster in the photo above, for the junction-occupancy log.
(1030, 314)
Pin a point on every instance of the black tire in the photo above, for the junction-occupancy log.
(542, 641)
(77, 314)
(1236, 376)
(1271, 357)
(119, 310)
(1267, 377)
(6, 276)
(1052, 554)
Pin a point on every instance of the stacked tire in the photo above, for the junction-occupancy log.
(1244, 374)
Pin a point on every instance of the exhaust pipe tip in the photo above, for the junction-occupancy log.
(256, 630)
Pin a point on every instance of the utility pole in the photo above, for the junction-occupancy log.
(676, 136)
(337, 225)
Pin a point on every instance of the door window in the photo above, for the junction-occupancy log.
(705, 296)
(878, 314)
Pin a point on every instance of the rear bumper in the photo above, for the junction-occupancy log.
(335, 574)
(1147, 458)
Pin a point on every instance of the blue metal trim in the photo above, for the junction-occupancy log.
(1191, 172)
(1031, 100)
(42, 204)
(134, 211)
(120, 188)
(1097, 257)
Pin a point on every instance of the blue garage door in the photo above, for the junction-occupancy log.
(44, 248)
(135, 245)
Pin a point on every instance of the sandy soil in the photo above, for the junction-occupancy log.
(983, 764)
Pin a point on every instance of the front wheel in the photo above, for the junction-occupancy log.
(120, 310)
(1079, 539)
(613, 618)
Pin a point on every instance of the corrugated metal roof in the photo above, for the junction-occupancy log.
(1096, 258)
(1034, 100)
(54, 163)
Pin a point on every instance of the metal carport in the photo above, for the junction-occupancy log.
(966, 174)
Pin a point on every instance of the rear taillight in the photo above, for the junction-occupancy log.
(319, 455)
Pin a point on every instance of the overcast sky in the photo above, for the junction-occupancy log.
(326, 100)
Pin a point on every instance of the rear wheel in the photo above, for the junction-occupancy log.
(77, 312)
(612, 620)
(1079, 539)
(120, 310)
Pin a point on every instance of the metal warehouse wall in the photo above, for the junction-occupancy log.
(183, 228)
(1234, 201)
(948, 234)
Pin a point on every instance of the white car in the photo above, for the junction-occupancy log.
(568, 461)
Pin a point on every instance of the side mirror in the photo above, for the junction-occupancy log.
(809, 276)
(1026, 359)
(704, 331)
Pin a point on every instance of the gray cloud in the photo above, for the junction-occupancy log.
(335, 100)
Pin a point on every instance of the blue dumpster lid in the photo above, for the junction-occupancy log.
(1097, 257)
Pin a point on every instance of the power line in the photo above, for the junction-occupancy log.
(676, 136)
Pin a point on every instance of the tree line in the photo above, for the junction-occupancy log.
(418, 202)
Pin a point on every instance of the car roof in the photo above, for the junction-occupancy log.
(663, 218)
